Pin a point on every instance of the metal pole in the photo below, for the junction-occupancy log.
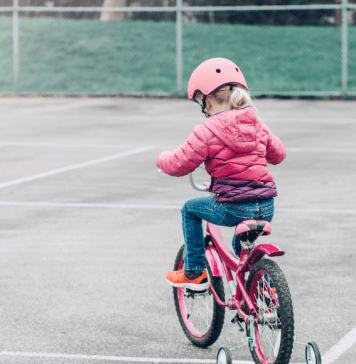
(179, 47)
(344, 47)
(15, 36)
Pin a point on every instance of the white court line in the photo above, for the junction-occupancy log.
(310, 120)
(318, 211)
(115, 358)
(321, 150)
(73, 166)
(151, 207)
(89, 205)
(337, 350)
(63, 105)
(99, 145)
(65, 145)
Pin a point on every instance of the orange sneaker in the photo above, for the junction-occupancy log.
(191, 281)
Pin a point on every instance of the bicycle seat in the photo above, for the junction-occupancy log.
(250, 230)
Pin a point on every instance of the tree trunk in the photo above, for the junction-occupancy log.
(106, 15)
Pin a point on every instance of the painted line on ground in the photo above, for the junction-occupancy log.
(318, 211)
(321, 150)
(115, 358)
(73, 166)
(62, 105)
(337, 350)
(66, 145)
(151, 207)
(106, 146)
(89, 205)
(271, 120)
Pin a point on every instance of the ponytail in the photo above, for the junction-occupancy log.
(233, 96)
(240, 98)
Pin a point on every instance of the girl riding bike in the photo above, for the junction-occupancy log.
(235, 145)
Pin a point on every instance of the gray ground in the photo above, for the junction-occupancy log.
(90, 280)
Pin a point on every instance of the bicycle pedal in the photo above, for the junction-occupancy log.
(240, 327)
(236, 320)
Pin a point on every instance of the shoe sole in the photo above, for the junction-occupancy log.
(191, 286)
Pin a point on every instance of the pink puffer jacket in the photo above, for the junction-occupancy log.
(233, 144)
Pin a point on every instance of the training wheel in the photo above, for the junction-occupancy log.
(312, 354)
(224, 356)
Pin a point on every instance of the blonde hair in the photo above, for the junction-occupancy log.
(236, 95)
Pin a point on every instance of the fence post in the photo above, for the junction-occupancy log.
(344, 47)
(15, 36)
(179, 47)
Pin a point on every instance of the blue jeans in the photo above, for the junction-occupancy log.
(225, 214)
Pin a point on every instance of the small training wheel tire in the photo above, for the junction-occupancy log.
(312, 354)
(224, 356)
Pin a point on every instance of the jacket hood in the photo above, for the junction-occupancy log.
(238, 129)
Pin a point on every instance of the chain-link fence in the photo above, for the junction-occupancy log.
(282, 49)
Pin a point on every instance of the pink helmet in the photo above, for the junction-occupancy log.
(213, 73)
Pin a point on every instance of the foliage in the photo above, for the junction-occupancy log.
(64, 56)
(302, 17)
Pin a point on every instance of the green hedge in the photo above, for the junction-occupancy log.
(64, 56)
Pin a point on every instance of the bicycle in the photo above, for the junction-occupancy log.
(263, 301)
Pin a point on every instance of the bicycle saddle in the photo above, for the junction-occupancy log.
(250, 230)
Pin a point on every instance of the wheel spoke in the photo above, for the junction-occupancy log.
(208, 309)
(197, 310)
(200, 312)
(267, 337)
(202, 315)
(273, 304)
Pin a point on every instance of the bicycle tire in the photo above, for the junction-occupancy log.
(275, 309)
(201, 337)
(315, 353)
(224, 356)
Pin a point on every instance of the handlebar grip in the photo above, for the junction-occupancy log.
(194, 185)
(192, 182)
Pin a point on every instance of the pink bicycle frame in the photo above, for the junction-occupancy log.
(223, 262)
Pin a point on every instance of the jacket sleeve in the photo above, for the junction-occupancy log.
(275, 152)
(187, 157)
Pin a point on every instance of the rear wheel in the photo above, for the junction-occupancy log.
(200, 316)
(268, 290)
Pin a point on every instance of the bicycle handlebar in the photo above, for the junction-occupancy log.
(192, 182)
(194, 185)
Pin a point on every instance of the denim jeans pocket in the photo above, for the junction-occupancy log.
(266, 209)
(234, 216)
(218, 207)
(267, 217)
(240, 212)
(266, 213)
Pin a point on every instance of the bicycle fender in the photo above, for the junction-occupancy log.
(258, 253)
(215, 264)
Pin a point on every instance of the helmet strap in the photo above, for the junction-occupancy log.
(203, 106)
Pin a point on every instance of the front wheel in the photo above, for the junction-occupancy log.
(200, 316)
(274, 330)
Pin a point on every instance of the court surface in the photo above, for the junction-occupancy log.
(89, 229)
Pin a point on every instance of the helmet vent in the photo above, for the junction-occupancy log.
(237, 70)
(218, 70)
